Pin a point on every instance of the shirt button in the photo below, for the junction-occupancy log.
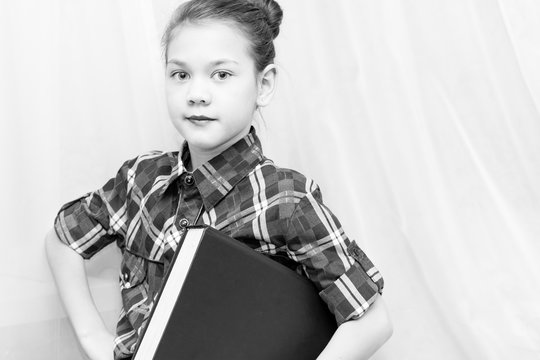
(184, 222)
(188, 180)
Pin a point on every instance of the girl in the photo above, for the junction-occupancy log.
(219, 71)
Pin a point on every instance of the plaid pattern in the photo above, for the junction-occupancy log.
(276, 211)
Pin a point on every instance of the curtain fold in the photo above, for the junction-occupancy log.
(419, 120)
(81, 92)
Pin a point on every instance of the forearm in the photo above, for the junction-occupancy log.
(359, 339)
(70, 277)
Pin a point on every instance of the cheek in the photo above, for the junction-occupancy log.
(246, 93)
(174, 100)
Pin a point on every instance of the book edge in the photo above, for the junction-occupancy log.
(185, 254)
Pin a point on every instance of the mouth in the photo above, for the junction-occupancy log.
(199, 118)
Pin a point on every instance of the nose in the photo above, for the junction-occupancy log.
(198, 93)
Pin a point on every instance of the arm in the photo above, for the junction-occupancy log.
(70, 276)
(349, 282)
(360, 338)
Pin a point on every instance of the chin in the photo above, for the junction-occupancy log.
(205, 143)
(194, 135)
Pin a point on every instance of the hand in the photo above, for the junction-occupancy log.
(99, 345)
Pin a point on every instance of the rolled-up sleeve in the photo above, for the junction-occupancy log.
(96, 219)
(347, 280)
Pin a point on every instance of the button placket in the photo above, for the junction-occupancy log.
(126, 278)
(189, 180)
(184, 223)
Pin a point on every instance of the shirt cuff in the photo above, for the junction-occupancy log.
(77, 229)
(350, 295)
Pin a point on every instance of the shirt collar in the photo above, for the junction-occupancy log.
(215, 178)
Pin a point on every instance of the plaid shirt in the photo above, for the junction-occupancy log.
(279, 212)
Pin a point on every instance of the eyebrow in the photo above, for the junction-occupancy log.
(212, 64)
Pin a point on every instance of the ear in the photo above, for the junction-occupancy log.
(266, 84)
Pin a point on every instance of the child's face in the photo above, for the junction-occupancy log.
(211, 85)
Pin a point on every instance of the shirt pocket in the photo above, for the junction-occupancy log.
(134, 288)
(140, 275)
(132, 271)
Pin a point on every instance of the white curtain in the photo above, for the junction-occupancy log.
(80, 93)
(419, 119)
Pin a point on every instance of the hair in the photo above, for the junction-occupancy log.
(259, 20)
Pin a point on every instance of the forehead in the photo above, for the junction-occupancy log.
(207, 41)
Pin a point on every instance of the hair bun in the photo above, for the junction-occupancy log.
(272, 12)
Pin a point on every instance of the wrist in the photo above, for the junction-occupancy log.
(88, 334)
(98, 345)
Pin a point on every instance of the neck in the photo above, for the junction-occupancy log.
(200, 156)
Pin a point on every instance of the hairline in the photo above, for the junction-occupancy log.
(233, 24)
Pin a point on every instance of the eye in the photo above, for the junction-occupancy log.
(221, 75)
(180, 75)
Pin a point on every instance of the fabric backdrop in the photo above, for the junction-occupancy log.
(419, 120)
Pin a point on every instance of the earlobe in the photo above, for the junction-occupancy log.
(266, 85)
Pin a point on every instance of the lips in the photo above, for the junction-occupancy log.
(199, 118)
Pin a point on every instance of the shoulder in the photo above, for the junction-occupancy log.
(285, 180)
(143, 169)
(152, 161)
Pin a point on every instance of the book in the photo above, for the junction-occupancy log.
(222, 300)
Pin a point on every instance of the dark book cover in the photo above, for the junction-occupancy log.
(223, 300)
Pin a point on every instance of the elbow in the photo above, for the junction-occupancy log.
(387, 329)
(51, 243)
(50, 239)
(382, 323)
